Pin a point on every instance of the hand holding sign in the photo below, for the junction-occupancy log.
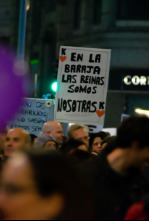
(13, 84)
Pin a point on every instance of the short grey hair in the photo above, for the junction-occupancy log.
(76, 127)
(47, 127)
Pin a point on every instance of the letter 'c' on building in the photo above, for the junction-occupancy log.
(127, 80)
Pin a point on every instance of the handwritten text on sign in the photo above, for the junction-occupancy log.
(83, 82)
(33, 114)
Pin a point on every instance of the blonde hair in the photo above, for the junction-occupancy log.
(76, 127)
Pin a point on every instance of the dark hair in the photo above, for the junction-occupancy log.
(111, 145)
(101, 134)
(135, 128)
(71, 144)
(54, 174)
(108, 140)
(32, 138)
(81, 156)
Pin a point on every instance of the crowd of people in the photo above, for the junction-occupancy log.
(81, 176)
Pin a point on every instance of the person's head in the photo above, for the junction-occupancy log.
(17, 139)
(134, 134)
(108, 140)
(46, 142)
(79, 132)
(71, 145)
(81, 158)
(39, 186)
(54, 129)
(96, 141)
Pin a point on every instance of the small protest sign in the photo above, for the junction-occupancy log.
(33, 114)
(83, 82)
(95, 128)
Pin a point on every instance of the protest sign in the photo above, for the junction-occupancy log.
(95, 128)
(33, 114)
(83, 82)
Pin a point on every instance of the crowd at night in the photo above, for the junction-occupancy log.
(74, 110)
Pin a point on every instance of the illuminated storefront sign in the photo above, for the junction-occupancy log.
(136, 80)
(129, 80)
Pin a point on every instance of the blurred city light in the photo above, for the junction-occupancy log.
(142, 112)
(28, 5)
(54, 86)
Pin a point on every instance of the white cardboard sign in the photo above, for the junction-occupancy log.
(83, 82)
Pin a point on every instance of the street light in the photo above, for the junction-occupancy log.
(54, 86)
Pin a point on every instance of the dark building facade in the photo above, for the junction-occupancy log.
(7, 21)
(119, 25)
(123, 27)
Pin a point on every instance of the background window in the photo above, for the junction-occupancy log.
(77, 14)
(133, 9)
(97, 9)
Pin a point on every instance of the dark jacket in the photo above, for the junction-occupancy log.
(114, 193)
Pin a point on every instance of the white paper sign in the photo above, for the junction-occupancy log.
(95, 128)
(83, 82)
(33, 114)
